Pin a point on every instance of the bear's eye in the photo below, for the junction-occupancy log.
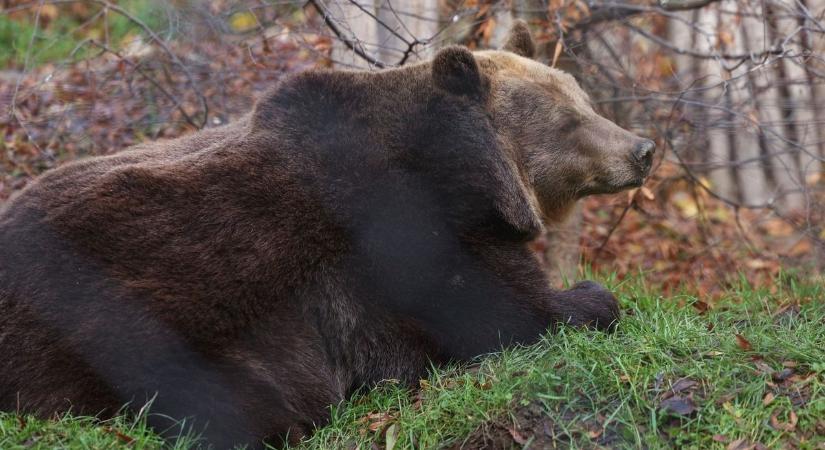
(569, 124)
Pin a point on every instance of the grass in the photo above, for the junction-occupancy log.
(58, 35)
(748, 371)
(18, 433)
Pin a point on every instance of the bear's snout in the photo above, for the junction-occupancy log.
(642, 156)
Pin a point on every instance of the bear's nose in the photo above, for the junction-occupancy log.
(643, 152)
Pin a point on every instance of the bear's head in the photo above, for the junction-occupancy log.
(562, 149)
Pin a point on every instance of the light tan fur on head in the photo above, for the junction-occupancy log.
(563, 149)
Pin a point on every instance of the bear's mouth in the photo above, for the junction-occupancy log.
(641, 169)
(630, 184)
(633, 184)
(614, 186)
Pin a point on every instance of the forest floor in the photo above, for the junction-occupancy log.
(748, 373)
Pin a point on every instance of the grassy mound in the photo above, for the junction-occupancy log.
(747, 371)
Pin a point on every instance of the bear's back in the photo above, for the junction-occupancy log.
(184, 223)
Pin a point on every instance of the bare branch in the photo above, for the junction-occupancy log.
(684, 5)
(350, 43)
(177, 104)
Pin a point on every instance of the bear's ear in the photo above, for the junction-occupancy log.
(455, 70)
(519, 40)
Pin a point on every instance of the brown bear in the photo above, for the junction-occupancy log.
(353, 227)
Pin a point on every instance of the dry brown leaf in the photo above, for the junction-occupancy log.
(743, 343)
(391, 437)
(782, 375)
(557, 52)
(120, 436)
(595, 433)
(517, 437)
(683, 384)
(701, 307)
(788, 426)
(769, 397)
(740, 444)
(757, 264)
(763, 367)
(678, 405)
(624, 378)
(487, 30)
(48, 12)
(377, 420)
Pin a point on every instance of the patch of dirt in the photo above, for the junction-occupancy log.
(530, 427)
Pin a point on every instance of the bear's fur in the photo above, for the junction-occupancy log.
(353, 228)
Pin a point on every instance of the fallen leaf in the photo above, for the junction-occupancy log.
(782, 375)
(769, 397)
(417, 401)
(678, 405)
(789, 426)
(377, 420)
(517, 437)
(719, 438)
(777, 228)
(48, 12)
(683, 384)
(743, 343)
(686, 205)
(728, 406)
(391, 437)
(120, 436)
(243, 21)
(763, 367)
(757, 264)
(701, 307)
(740, 444)
(557, 52)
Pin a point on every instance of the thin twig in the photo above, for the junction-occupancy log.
(177, 103)
(155, 38)
(347, 41)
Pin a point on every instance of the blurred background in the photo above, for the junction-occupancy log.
(731, 91)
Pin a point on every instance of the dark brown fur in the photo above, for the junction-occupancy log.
(353, 228)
